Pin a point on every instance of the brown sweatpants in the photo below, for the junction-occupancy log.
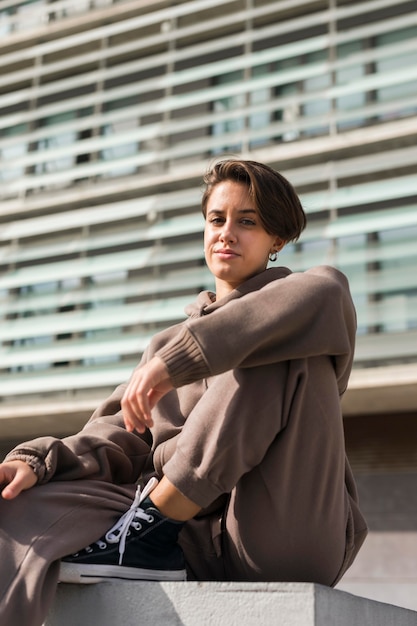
(290, 514)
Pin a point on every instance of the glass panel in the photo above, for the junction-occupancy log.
(100, 280)
(317, 84)
(28, 15)
(345, 76)
(25, 291)
(261, 119)
(123, 150)
(390, 64)
(58, 140)
(290, 111)
(5, 22)
(12, 152)
(228, 104)
(399, 281)
(120, 128)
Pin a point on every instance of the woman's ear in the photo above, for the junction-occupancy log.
(278, 244)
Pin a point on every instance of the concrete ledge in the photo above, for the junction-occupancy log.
(215, 603)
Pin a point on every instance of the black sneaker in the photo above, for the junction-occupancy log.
(142, 545)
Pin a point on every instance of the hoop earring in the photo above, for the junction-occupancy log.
(273, 256)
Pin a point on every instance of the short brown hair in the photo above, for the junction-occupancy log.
(278, 204)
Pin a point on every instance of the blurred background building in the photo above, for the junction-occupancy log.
(110, 112)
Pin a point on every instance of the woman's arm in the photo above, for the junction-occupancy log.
(302, 315)
(102, 450)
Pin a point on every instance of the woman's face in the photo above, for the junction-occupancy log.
(236, 244)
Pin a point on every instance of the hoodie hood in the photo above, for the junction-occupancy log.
(206, 300)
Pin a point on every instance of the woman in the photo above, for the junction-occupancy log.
(236, 411)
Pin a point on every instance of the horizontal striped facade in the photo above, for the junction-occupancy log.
(110, 112)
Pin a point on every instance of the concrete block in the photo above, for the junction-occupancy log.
(217, 603)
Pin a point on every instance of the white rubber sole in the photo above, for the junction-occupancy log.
(88, 574)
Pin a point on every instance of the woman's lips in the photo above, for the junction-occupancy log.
(226, 253)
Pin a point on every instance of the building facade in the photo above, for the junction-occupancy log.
(110, 112)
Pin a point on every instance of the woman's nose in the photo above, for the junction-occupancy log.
(227, 233)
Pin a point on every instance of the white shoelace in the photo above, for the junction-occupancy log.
(118, 533)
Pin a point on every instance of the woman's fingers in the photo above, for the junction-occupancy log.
(148, 385)
(18, 475)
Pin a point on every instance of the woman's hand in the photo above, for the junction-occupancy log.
(18, 475)
(148, 385)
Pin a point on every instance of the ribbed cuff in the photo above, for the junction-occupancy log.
(30, 459)
(184, 359)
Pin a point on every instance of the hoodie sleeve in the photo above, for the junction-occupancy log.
(102, 450)
(302, 315)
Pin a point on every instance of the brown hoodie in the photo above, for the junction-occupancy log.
(273, 317)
